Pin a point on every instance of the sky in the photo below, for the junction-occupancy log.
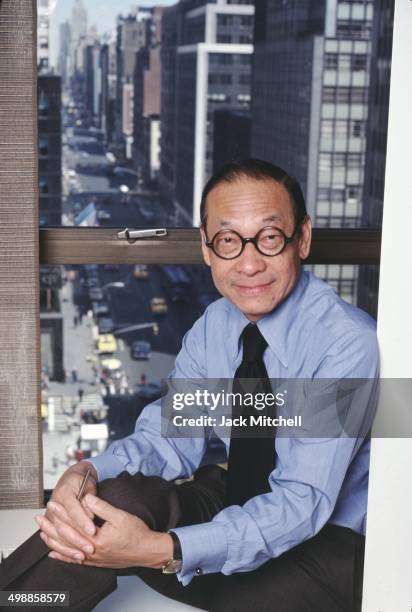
(102, 13)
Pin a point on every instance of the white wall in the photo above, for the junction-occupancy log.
(388, 564)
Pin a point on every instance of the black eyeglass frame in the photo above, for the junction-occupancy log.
(253, 240)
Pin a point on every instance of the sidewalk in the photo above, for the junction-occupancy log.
(63, 398)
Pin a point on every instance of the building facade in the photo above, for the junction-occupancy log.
(132, 35)
(210, 47)
(310, 107)
(147, 96)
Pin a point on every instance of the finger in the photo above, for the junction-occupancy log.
(66, 535)
(59, 511)
(73, 538)
(71, 512)
(93, 563)
(80, 518)
(58, 547)
(103, 509)
(56, 509)
(46, 526)
(58, 557)
(86, 509)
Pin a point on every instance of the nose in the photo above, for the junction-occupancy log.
(250, 262)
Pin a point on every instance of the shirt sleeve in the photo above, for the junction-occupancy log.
(145, 450)
(305, 486)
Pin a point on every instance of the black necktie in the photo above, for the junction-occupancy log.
(252, 448)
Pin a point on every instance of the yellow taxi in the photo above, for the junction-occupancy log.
(158, 305)
(140, 272)
(106, 343)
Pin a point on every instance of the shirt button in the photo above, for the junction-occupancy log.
(198, 571)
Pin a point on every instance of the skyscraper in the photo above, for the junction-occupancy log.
(64, 61)
(211, 49)
(310, 106)
(79, 32)
(132, 35)
(147, 88)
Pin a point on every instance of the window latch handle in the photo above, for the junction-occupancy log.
(133, 235)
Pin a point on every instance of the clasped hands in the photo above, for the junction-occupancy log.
(124, 540)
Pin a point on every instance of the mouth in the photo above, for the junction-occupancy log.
(252, 290)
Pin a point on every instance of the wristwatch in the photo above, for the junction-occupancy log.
(174, 565)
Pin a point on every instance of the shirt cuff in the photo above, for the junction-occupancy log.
(204, 550)
(106, 466)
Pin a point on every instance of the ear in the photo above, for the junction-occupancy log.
(305, 237)
(205, 250)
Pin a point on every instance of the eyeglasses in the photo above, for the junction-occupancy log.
(269, 241)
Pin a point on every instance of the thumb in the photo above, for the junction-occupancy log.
(101, 508)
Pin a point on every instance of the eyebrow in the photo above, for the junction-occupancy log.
(265, 220)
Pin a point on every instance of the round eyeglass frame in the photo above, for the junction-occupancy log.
(253, 240)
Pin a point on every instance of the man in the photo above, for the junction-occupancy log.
(284, 530)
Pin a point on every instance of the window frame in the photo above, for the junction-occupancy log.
(67, 245)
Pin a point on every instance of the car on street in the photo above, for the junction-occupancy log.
(151, 390)
(140, 272)
(106, 343)
(93, 282)
(96, 294)
(99, 309)
(158, 305)
(103, 214)
(140, 349)
(105, 325)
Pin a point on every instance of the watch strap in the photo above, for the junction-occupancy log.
(177, 548)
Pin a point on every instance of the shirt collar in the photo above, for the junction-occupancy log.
(275, 325)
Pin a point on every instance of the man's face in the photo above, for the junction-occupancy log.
(255, 283)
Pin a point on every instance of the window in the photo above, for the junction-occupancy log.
(359, 61)
(331, 61)
(43, 105)
(43, 145)
(92, 117)
(43, 185)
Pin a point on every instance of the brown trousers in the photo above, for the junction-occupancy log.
(324, 574)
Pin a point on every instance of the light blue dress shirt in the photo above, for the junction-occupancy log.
(312, 334)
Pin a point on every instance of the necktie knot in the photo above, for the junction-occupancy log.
(254, 344)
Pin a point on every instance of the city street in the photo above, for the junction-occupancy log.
(90, 175)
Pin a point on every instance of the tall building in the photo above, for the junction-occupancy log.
(108, 87)
(78, 33)
(132, 35)
(43, 27)
(171, 23)
(64, 60)
(49, 133)
(376, 134)
(147, 93)
(211, 48)
(50, 211)
(93, 78)
(310, 106)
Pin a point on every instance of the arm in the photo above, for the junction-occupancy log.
(305, 486)
(67, 522)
